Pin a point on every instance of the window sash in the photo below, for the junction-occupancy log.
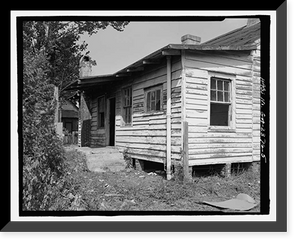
(220, 90)
(127, 105)
(220, 93)
(153, 100)
(127, 95)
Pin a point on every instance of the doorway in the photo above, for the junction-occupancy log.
(112, 116)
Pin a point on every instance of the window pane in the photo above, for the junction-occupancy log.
(213, 83)
(153, 95)
(213, 95)
(101, 120)
(157, 94)
(226, 97)
(220, 96)
(152, 106)
(220, 85)
(219, 114)
(157, 107)
(148, 102)
(129, 115)
(226, 86)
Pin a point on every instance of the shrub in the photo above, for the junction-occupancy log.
(43, 154)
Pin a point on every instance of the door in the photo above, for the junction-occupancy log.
(112, 116)
(85, 133)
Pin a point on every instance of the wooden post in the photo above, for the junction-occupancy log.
(56, 118)
(227, 170)
(187, 173)
(169, 176)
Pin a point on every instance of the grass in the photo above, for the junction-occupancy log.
(138, 190)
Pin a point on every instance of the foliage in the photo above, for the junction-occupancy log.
(42, 150)
(59, 40)
(51, 55)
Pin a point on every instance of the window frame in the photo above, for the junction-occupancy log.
(151, 90)
(231, 102)
(126, 106)
(99, 126)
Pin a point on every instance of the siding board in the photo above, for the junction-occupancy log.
(205, 146)
(146, 138)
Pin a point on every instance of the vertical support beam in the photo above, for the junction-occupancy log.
(57, 116)
(80, 119)
(187, 171)
(169, 176)
(227, 170)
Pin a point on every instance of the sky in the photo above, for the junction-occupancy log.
(115, 50)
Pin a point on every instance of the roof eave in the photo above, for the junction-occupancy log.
(87, 82)
(211, 47)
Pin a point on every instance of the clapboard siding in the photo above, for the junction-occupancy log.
(256, 104)
(205, 145)
(97, 136)
(146, 138)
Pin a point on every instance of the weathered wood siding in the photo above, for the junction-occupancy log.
(256, 104)
(98, 136)
(146, 137)
(208, 146)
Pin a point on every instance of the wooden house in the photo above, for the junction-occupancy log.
(185, 104)
(69, 116)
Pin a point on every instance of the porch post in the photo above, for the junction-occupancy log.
(169, 176)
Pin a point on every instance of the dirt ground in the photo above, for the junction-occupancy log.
(133, 190)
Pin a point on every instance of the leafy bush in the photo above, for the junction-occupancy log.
(43, 154)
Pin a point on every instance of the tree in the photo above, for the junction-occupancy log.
(58, 40)
(51, 55)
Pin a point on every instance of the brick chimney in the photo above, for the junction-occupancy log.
(190, 39)
(85, 66)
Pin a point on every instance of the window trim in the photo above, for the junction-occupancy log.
(98, 112)
(231, 120)
(129, 106)
(151, 89)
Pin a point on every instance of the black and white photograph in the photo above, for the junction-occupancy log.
(138, 117)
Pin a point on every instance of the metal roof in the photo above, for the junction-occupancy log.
(244, 38)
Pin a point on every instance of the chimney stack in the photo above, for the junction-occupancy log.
(85, 66)
(190, 39)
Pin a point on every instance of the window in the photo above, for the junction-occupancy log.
(153, 99)
(127, 105)
(100, 110)
(220, 102)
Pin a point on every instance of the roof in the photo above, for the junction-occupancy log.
(244, 38)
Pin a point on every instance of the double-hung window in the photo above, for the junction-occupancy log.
(153, 97)
(220, 102)
(127, 105)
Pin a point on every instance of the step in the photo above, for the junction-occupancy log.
(103, 159)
